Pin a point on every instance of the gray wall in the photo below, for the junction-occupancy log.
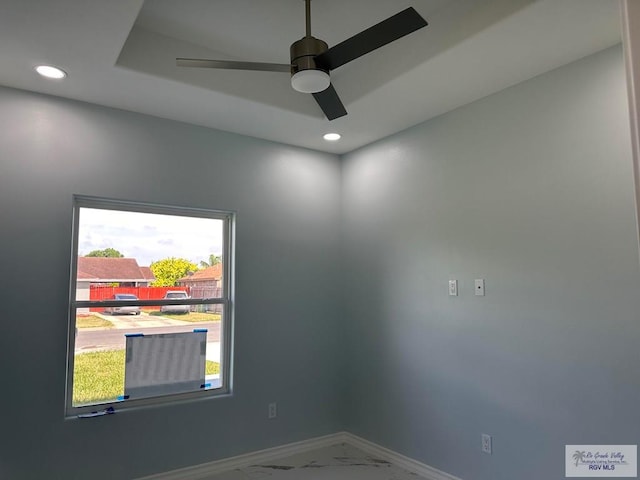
(286, 347)
(532, 190)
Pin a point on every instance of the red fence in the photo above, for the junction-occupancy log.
(97, 293)
(143, 293)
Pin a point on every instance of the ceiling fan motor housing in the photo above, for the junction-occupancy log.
(303, 53)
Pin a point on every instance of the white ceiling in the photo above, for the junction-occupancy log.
(121, 53)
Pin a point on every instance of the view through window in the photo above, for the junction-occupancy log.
(160, 273)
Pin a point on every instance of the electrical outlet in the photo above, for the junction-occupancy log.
(273, 410)
(486, 443)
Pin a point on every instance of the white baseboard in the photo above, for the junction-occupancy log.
(198, 472)
(397, 459)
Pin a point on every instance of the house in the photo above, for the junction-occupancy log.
(106, 271)
(342, 258)
(203, 283)
(148, 276)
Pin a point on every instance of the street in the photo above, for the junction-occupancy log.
(89, 340)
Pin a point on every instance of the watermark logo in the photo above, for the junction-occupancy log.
(601, 461)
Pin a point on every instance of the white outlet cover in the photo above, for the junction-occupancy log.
(479, 284)
(486, 443)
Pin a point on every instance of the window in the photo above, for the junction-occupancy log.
(150, 305)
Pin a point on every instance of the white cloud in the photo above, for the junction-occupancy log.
(148, 237)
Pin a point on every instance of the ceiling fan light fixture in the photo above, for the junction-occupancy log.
(310, 81)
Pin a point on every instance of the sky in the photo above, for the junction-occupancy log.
(148, 237)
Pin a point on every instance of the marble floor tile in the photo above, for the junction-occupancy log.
(337, 462)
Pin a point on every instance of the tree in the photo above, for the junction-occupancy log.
(213, 260)
(579, 456)
(169, 270)
(106, 252)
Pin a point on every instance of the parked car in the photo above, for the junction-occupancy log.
(173, 295)
(128, 309)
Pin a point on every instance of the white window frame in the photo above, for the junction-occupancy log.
(226, 300)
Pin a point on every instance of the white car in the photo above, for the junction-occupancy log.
(133, 309)
(174, 295)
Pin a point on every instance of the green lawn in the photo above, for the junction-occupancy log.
(99, 376)
(193, 317)
(92, 321)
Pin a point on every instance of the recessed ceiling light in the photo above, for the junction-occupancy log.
(50, 72)
(332, 137)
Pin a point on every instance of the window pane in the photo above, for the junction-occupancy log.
(147, 255)
(131, 255)
(99, 360)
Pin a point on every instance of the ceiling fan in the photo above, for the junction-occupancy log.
(312, 59)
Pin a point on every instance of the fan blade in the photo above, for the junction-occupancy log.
(330, 103)
(393, 28)
(228, 64)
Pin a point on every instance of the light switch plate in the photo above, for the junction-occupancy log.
(453, 288)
